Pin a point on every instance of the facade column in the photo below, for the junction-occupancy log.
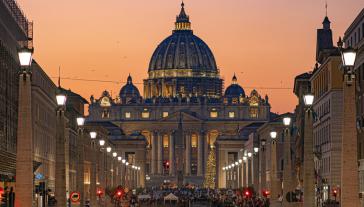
(255, 170)
(287, 167)
(81, 166)
(172, 163)
(349, 154)
(160, 154)
(24, 155)
(206, 149)
(276, 187)
(200, 153)
(93, 176)
(60, 182)
(154, 156)
(188, 154)
(262, 164)
(140, 157)
(250, 171)
(245, 176)
(308, 163)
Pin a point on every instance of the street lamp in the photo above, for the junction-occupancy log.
(114, 154)
(108, 149)
(24, 155)
(93, 135)
(80, 176)
(102, 142)
(308, 99)
(273, 135)
(286, 121)
(240, 161)
(80, 121)
(349, 148)
(61, 99)
(60, 182)
(123, 161)
(245, 158)
(256, 149)
(119, 158)
(348, 56)
(25, 57)
(249, 154)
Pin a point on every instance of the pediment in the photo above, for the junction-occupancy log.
(185, 116)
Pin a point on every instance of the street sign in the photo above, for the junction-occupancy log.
(75, 197)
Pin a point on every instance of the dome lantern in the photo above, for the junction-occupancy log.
(182, 20)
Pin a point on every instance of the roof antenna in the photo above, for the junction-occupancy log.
(59, 76)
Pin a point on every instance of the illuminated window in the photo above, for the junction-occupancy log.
(145, 114)
(235, 100)
(127, 115)
(165, 114)
(213, 114)
(253, 112)
(165, 141)
(231, 114)
(194, 141)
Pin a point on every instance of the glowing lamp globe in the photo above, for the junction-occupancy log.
(61, 99)
(102, 142)
(108, 149)
(308, 99)
(25, 57)
(80, 121)
(287, 121)
(348, 56)
(273, 134)
(93, 135)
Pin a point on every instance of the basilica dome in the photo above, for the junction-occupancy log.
(183, 50)
(129, 90)
(234, 90)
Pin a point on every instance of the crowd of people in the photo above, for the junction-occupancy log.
(199, 197)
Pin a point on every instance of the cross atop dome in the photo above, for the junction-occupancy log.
(182, 20)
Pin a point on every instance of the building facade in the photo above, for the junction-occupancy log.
(354, 37)
(14, 31)
(184, 114)
(326, 86)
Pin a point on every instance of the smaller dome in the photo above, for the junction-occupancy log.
(129, 90)
(234, 90)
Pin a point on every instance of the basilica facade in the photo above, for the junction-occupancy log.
(183, 115)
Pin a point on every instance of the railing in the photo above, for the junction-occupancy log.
(22, 21)
(17, 14)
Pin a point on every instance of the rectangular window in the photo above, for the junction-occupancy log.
(231, 114)
(127, 115)
(253, 112)
(213, 114)
(165, 141)
(145, 114)
(194, 141)
(165, 114)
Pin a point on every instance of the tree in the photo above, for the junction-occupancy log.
(210, 174)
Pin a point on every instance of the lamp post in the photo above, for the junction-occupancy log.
(349, 149)
(60, 180)
(287, 168)
(24, 154)
(276, 186)
(308, 162)
(262, 164)
(81, 152)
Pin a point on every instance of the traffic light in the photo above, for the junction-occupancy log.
(99, 193)
(166, 165)
(265, 193)
(119, 193)
(4, 197)
(334, 193)
(247, 193)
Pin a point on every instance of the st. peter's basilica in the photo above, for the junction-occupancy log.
(184, 126)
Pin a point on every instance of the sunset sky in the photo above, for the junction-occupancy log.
(265, 42)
